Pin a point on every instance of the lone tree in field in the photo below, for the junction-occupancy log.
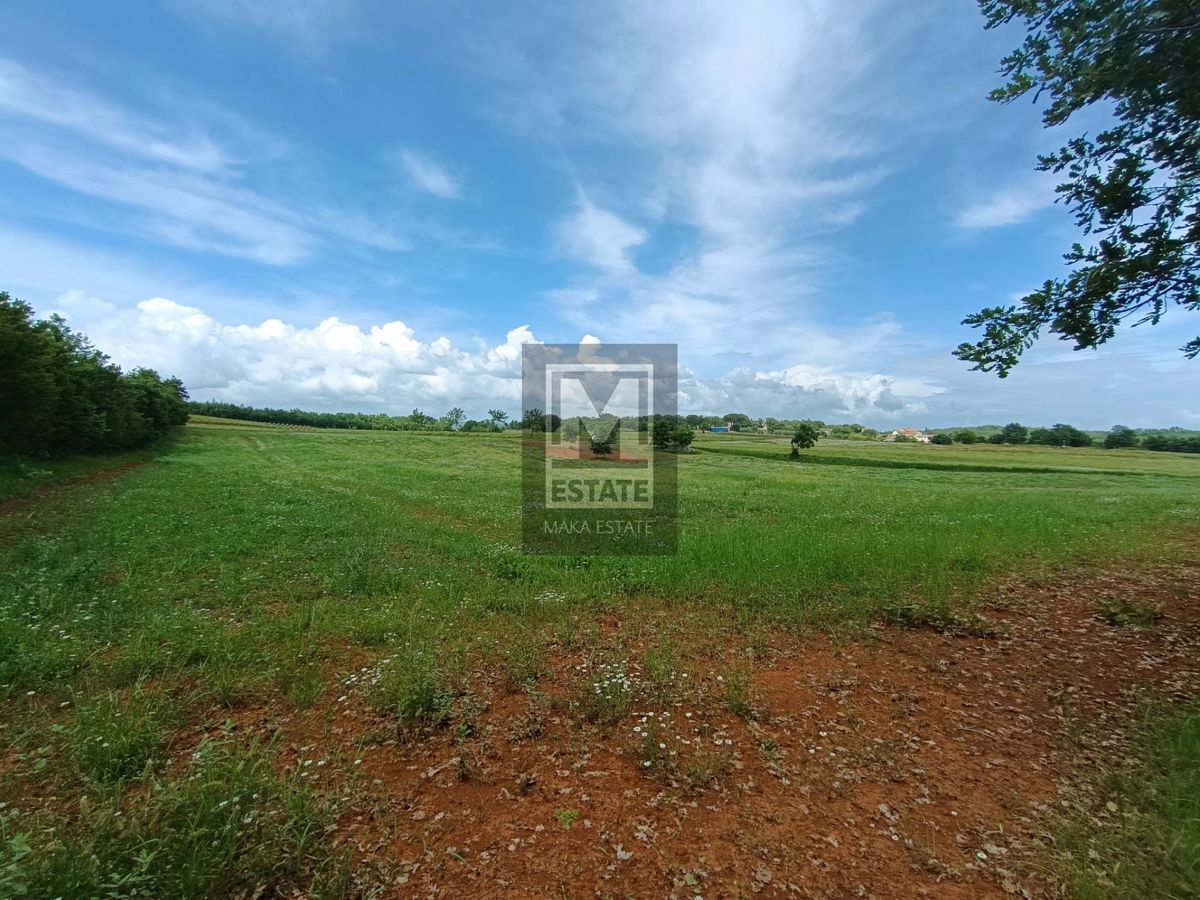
(1134, 188)
(602, 440)
(1121, 437)
(498, 417)
(806, 436)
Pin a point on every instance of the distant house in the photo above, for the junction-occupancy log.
(913, 434)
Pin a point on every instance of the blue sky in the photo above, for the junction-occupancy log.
(348, 204)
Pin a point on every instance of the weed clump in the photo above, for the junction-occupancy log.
(413, 687)
(117, 739)
(607, 694)
(1122, 613)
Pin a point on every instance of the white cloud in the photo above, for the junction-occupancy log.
(174, 184)
(1008, 205)
(599, 237)
(428, 175)
(26, 95)
(333, 365)
(755, 131)
(339, 365)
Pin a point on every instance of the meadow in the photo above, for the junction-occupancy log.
(238, 565)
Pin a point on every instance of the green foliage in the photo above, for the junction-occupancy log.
(1134, 188)
(738, 421)
(737, 690)
(603, 439)
(1059, 436)
(606, 695)
(671, 433)
(1171, 443)
(804, 438)
(966, 436)
(59, 395)
(1120, 437)
(1012, 433)
(415, 421)
(941, 438)
(454, 418)
(567, 817)
(412, 686)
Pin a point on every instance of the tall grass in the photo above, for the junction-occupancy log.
(1144, 839)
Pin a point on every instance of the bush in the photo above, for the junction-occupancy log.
(942, 439)
(966, 436)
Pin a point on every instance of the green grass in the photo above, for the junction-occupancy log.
(252, 565)
(239, 548)
(974, 457)
(1144, 839)
(229, 825)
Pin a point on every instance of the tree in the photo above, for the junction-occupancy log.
(738, 421)
(534, 421)
(941, 438)
(498, 417)
(966, 436)
(662, 433)
(602, 440)
(1134, 189)
(683, 437)
(1059, 436)
(455, 417)
(1012, 433)
(806, 436)
(59, 394)
(1120, 437)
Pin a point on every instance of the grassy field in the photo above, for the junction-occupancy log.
(255, 565)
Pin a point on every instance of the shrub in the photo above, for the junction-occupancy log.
(412, 687)
(942, 439)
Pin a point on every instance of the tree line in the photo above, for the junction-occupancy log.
(60, 395)
(454, 419)
(1061, 435)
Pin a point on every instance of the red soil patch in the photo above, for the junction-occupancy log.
(914, 763)
(12, 505)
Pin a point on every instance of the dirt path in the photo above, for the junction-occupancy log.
(916, 763)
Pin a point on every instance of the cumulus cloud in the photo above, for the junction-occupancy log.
(332, 365)
(428, 175)
(804, 391)
(340, 365)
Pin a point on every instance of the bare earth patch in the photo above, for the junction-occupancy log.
(911, 763)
